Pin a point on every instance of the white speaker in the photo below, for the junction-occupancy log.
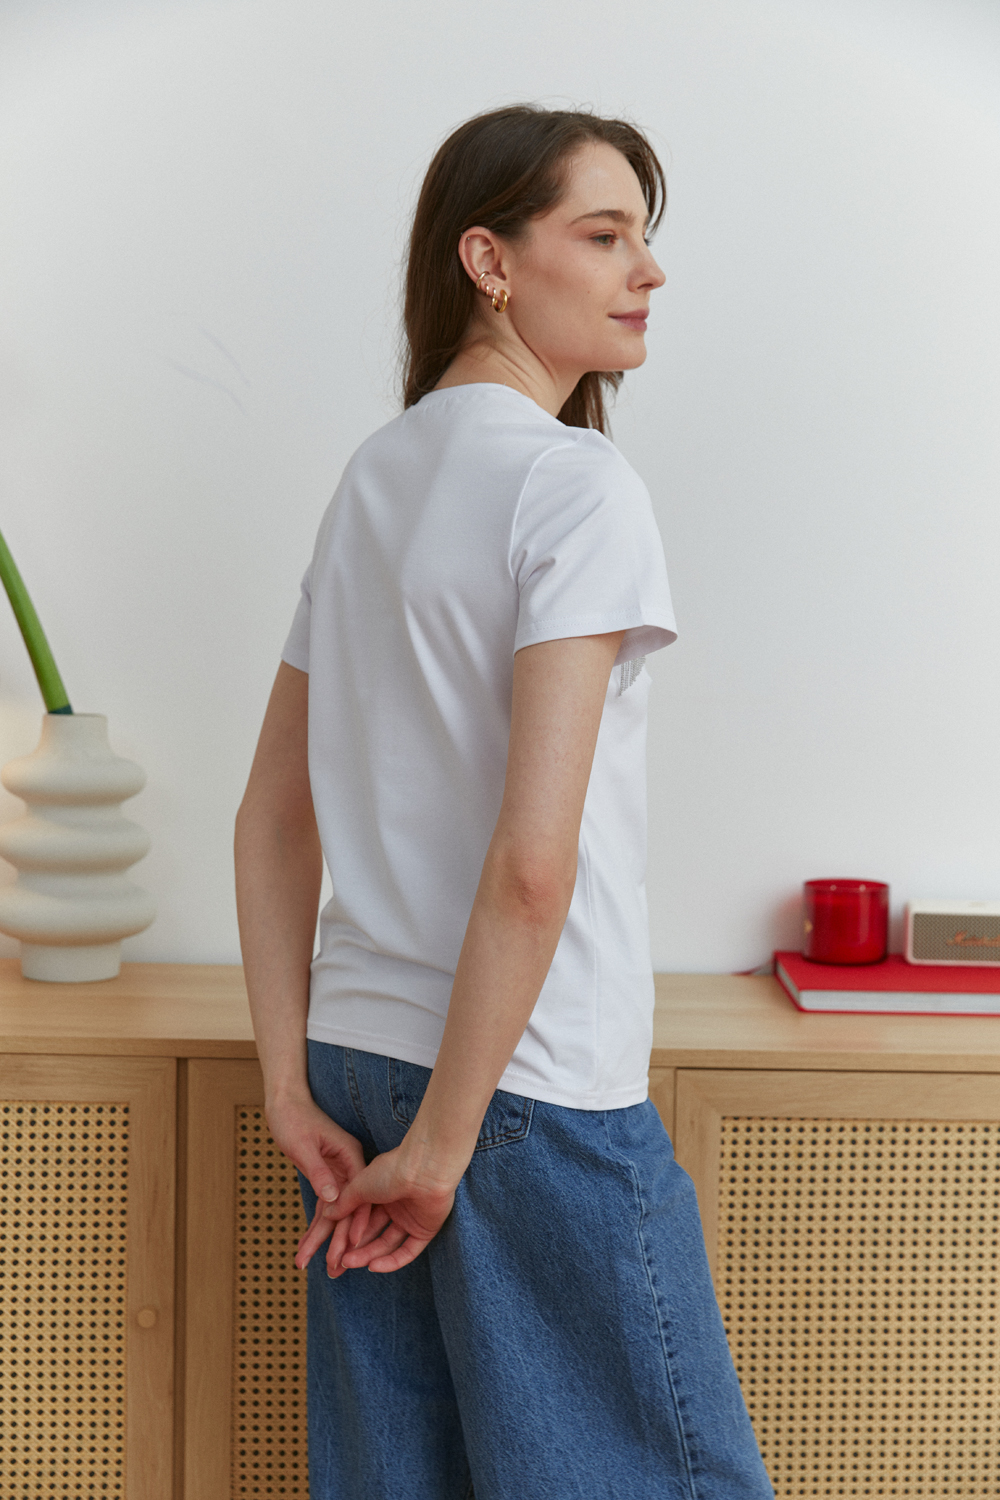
(953, 932)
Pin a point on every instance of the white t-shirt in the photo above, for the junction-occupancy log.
(470, 526)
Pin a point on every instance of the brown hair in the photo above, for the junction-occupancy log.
(501, 170)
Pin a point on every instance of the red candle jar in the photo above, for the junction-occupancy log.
(846, 921)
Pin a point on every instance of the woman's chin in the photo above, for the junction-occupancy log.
(620, 358)
(634, 356)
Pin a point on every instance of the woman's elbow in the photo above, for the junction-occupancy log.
(272, 815)
(533, 890)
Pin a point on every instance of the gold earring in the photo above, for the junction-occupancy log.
(481, 279)
(500, 307)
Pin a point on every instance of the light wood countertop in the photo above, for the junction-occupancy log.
(701, 1021)
(732, 1021)
(172, 1010)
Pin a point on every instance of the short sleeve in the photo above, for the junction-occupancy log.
(586, 552)
(296, 647)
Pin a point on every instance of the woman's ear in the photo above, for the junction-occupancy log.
(483, 255)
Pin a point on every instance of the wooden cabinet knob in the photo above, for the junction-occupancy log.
(146, 1317)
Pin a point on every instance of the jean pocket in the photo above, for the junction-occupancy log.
(507, 1118)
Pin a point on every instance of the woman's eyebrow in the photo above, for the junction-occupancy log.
(618, 215)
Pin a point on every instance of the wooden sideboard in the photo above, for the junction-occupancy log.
(152, 1323)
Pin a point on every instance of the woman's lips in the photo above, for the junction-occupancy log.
(632, 320)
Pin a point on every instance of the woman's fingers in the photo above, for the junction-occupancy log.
(338, 1244)
(354, 1229)
(330, 1159)
(366, 1222)
(390, 1217)
(385, 1251)
(322, 1150)
(322, 1177)
(362, 1255)
(318, 1231)
(330, 1162)
(308, 1245)
(359, 1221)
(367, 1187)
(407, 1251)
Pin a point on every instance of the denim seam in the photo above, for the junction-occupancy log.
(656, 1308)
(399, 1113)
(515, 1133)
(352, 1084)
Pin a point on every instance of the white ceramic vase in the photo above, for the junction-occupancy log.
(71, 905)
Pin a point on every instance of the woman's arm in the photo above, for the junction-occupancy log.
(279, 867)
(518, 914)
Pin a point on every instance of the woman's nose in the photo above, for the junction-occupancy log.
(648, 274)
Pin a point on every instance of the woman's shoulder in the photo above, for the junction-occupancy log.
(588, 464)
(495, 430)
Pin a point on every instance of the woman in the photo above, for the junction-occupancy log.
(458, 723)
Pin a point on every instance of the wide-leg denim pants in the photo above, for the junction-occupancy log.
(559, 1339)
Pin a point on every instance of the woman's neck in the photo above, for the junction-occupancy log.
(481, 363)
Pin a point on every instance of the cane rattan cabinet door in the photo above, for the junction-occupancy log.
(245, 1353)
(853, 1221)
(86, 1277)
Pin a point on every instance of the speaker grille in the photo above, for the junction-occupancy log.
(858, 1284)
(269, 1360)
(974, 940)
(63, 1220)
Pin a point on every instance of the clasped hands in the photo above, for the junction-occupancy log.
(381, 1215)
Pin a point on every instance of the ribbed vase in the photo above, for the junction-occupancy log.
(71, 905)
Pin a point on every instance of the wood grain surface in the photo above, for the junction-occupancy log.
(701, 1021)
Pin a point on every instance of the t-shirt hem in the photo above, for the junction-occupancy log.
(659, 629)
(295, 658)
(511, 1082)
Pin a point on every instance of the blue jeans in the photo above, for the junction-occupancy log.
(559, 1339)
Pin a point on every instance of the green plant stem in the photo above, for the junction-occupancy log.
(51, 684)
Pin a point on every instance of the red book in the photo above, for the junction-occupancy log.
(893, 987)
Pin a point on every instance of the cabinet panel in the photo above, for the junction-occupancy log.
(86, 1276)
(244, 1399)
(661, 1091)
(853, 1222)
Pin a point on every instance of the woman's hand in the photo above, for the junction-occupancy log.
(327, 1155)
(386, 1215)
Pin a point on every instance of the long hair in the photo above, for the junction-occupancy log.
(501, 170)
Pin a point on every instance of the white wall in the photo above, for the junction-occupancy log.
(203, 213)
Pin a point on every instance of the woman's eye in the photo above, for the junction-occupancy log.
(605, 239)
